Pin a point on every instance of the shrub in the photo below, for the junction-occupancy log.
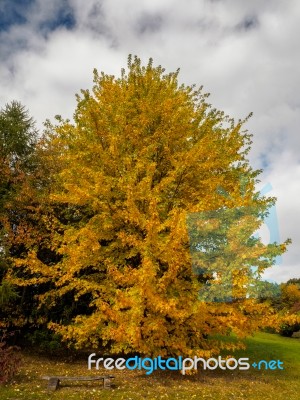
(289, 329)
(45, 340)
(10, 360)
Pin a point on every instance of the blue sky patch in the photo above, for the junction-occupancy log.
(13, 13)
(16, 12)
(63, 18)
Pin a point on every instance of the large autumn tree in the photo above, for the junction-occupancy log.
(143, 157)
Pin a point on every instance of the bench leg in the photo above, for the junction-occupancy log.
(53, 384)
(106, 383)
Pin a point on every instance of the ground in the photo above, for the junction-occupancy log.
(133, 385)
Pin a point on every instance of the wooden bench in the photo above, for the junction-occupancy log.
(54, 381)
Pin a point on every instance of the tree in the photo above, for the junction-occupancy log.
(288, 307)
(17, 141)
(17, 133)
(143, 154)
(18, 136)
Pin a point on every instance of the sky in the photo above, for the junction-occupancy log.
(246, 54)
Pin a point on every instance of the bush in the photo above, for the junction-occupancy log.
(10, 360)
(288, 330)
(45, 340)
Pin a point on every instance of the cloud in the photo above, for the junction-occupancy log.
(244, 53)
(13, 13)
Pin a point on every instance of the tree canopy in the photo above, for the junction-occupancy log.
(142, 156)
(18, 137)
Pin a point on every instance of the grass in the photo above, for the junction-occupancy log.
(133, 385)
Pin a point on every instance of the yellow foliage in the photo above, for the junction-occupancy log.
(143, 154)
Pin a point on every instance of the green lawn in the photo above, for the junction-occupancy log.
(250, 384)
